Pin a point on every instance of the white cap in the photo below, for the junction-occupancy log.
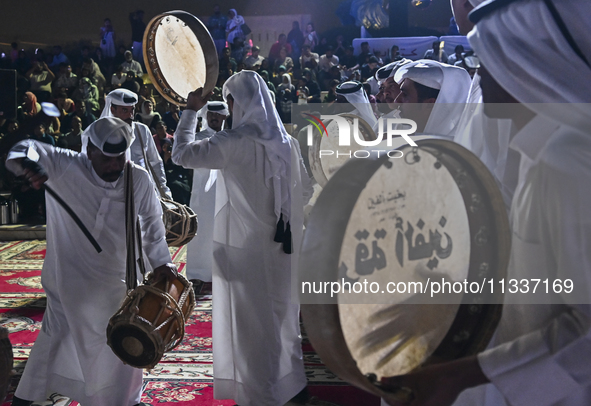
(119, 97)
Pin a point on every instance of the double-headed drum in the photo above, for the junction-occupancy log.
(382, 231)
(151, 321)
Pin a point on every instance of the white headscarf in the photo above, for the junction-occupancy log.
(358, 99)
(453, 83)
(146, 117)
(255, 112)
(553, 72)
(119, 97)
(109, 134)
(215, 107)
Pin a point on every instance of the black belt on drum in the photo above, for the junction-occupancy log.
(133, 233)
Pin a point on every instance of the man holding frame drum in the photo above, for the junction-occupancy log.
(539, 354)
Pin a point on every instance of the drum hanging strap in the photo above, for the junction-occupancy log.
(133, 233)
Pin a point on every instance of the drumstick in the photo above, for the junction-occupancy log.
(35, 167)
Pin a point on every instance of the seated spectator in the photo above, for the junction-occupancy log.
(94, 74)
(328, 60)
(378, 55)
(161, 135)
(171, 118)
(277, 78)
(120, 55)
(332, 92)
(436, 53)
(130, 82)
(131, 65)
(322, 46)
(30, 107)
(88, 93)
(334, 73)
(265, 75)
(238, 49)
(276, 48)
(283, 60)
(40, 78)
(369, 69)
(287, 95)
(456, 56)
(147, 115)
(303, 91)
(58, 57)
(311, 83)
(86, 117)
(340, 49)
(65, 81)
(349, 61)
(73, 139)
(227, 63)
(308, 59)
(40, 135)
(254, 58)
(161, 107)
(22, 63)
(394, 55)
(118, 78)
(64, 104)
(146, 94)
(364, 55)
(178, 178)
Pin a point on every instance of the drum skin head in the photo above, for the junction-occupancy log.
(439, 191)
(180, 56)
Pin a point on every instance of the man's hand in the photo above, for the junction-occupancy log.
(34, 173)
(437, 385)
(167, 271)
(197, 100)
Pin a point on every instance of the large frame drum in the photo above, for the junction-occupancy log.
(434, 213)
(180, 56)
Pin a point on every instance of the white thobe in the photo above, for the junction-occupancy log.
(200, 249)
(489, 140)
(85, 288)
(540, 353)
(137, 156)
(257, 354)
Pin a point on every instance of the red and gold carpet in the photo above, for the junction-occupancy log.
(185, 375)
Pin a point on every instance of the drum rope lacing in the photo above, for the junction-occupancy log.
(184, 213)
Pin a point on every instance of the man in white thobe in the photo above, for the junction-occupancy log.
(200, 249)
(85, 288)
(488, 138)
(539, 354)
(121, 103)
(389, 91)
(259, 200)
(433, 94)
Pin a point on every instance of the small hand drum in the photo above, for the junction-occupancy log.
(323, 167)
(433, 214)
(180, 56)
(180, 222)
(151, 321)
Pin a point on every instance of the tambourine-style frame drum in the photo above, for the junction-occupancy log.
(151, 321)
(362, 228)
(180, 56)
(323, 167)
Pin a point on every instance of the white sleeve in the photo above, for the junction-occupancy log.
(154, 159)
(547, 365)
(54, 161)
(210, 153)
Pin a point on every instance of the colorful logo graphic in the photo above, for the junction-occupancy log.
(316, 125)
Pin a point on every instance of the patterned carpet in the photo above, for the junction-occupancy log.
(185, 375)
